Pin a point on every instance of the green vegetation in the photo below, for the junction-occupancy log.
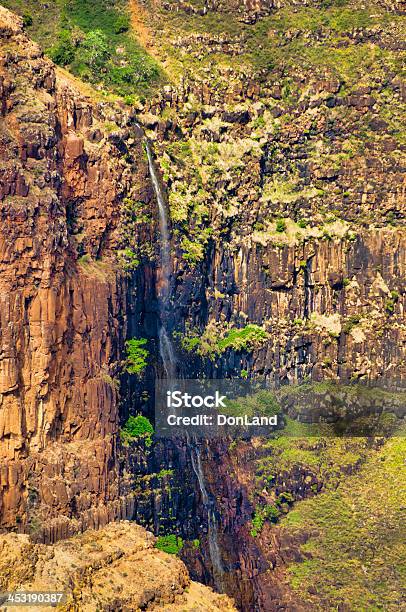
(267, 47)
(93, 39)
(280, 225)
(194, 250)
(354, 523)
(391, 302)
(194, 167)
(137, 356)
(128, 260)
(242, 339)
(63, 52)
(322, 457)
(215, 341)
(358, 409)
(285, 498)
(171, 544)
(317, 55)
(42, 25)
(27, 19)
(302, 223)
(85, 259)
(268, 512)
(133, 213)
(106, 53)
(356, 555)
(165, 474)
(351, 322)
(137, 427)
(262, 403)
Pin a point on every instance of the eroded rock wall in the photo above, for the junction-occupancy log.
(117, 567)
(326, 305)
(286, 192)
(63, 294)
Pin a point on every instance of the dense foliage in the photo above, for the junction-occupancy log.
(137, 355)
(137, 427)
(214, 340)
(93, 39)
(171, 544)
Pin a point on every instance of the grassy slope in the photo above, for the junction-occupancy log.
(304, 40)
(45, 24)
(79, 17)
(320, 38)
(356, 551)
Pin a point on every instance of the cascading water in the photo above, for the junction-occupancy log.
(212, 531)
(166, 349)
(168, 357)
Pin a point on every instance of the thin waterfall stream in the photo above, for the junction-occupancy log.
(212, 530)
(168, 356)
(166, 349)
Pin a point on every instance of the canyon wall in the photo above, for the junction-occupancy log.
(113, 568)
(283, 217)
(286, 188)
(63, 294)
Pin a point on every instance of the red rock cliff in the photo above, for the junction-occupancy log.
(62, 305)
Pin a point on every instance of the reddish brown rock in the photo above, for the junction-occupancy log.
(62, 322)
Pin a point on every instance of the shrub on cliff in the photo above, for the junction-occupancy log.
(209, 344)
(280, 225)
(137, 427)
(268, 512)
(171, 544)
(137, 356)
(27, 19)
(242, 339)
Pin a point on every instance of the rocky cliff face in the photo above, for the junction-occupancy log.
(286, 189)
(63, 178)
(242, 480)
(285, 183)
(114, 568)
(280, 149)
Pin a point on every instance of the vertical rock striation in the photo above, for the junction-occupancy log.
(62, 296)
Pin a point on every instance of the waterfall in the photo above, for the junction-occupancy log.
(166, 348)
(212, 531)
(168, 357)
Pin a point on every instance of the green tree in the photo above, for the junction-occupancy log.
(138, 426)
(137, 356)
(94, 51)
(171, 544)
(63, 52)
